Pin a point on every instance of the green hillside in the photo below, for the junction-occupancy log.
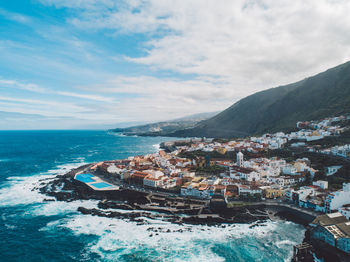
(278, 109)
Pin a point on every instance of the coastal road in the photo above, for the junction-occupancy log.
(291, 206)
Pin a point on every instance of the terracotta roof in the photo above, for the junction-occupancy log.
(139, 175)
(152, 179)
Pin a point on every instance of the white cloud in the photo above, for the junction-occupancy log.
(254, 44)
(233, 48)
(57, 108)
(145, 98)
(152, 98)
(24, 86)
(50, 108)
(86, 96)
(212, 53)
(9, 83)
(15, 16)
(82, 106)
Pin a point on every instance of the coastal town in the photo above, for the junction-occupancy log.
(199, 168)
(289, 168)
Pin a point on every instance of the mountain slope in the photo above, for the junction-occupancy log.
(279, 108)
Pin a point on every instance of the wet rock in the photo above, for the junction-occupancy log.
(65, 188)
(49, 200)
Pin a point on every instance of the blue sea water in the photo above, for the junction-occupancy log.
(34, 230)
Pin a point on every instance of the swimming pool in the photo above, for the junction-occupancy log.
(85, 178)
(101, 185)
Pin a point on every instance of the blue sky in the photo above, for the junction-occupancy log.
(99, 63)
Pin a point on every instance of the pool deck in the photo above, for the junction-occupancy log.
(97, 180)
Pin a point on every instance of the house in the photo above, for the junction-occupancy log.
(299, 196)
(333, 229)
(321, 184)
(271, 193)
(138, 177)
(289, 170)
(113, 169)
(195, 190)
(232, 190)
(221, 150)
(170, 182)
(251, 176)
(248, 190)
(337, 199)
(154, 173)
(218, 190)
(150, 181)
(345, 211)
(331, 170)
(248, 174)
(298, 144)
(302, 125)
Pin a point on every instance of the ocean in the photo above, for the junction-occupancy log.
(34, 230)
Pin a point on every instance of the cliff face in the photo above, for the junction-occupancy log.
(323, 95)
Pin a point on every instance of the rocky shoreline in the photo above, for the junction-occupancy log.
(141, 205)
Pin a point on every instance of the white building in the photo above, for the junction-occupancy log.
(305, 192)
(331, 170)
(321, 184)
(240, 159)
(338, 199)
(152, 182)
(345, 211)
(252, 176)
(113, 169)
(154, 173)
(195, 191)
(289, 170)
(332, 229)
(243, 189)
(168, 182)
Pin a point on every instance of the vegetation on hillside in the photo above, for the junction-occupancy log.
(278, 109)
(331, 141)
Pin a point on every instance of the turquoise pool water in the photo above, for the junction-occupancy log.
(101, 185)
(85, 178)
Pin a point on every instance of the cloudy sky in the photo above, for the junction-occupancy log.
(97, 63)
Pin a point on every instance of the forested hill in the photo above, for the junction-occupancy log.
(278, 109)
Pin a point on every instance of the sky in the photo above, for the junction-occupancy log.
(78, 64)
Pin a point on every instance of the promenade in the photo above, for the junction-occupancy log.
(291, 206)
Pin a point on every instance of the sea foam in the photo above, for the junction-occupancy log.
(164, 241)
(157, 146)
(23, 190)
(157, 240)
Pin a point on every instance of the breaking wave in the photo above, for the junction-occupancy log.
(63, 233)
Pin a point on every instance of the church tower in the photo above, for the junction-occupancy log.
(239, 159)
